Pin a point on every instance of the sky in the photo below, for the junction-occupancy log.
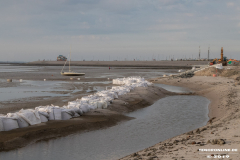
(32, 30)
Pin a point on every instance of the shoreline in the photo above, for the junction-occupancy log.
(140, 97)
(158, 64)
(220, 132)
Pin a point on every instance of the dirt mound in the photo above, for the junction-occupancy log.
(220, 72)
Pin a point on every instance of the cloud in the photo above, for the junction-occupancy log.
(57, 23)
(189, 14)
(170, 27)
(230, 4)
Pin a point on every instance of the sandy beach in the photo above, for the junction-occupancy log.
(222, 130)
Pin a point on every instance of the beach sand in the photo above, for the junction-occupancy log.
(221, 132)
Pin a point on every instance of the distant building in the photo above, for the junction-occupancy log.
(61, 58)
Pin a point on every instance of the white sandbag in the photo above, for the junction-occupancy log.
(43, 118)
(9, 124)
(105, 105)
(55, 114)
(31, 116)
(99, 105)
(21, 122)
(66, 116)
(76, 115)
(1, 124)
(84, 108)
(80, 112)
(44, 114)
(75, 107)
(93, 104)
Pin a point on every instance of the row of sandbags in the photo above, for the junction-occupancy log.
(131, 80)
(29, 117)
(41, 114)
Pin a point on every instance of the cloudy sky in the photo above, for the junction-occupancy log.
(118, 29)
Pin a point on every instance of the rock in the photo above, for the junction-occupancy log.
(190, 133)
(237, 83)
(198, 131)
(221, 142)
(193, 142)
(214, 141)
(238, 78)
(218, 141)
(176, 141)
(135, 154)
(149, 154)
(154, 149)
(225, 128)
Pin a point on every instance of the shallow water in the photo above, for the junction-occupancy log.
(29, 88)
(166, 118)
(174, 88)
(8, 68)
(36, 87)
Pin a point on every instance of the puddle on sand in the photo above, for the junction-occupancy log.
(173, 88)
(166, 118)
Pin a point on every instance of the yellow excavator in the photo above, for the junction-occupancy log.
(223, 60)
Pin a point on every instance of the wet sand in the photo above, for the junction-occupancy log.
(221, 132)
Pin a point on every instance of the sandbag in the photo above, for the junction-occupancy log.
(80, 112)
(99, 105)
(84, 108)
(65, 115)
(75, 108)
(1, 124)
(30, 115)
(105, 105)
(9, 124)
(43, 118)
(55, 114)
(21, 122)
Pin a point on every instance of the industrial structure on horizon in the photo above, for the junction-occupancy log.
(61, 58)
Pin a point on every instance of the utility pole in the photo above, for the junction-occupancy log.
(208, 52)
(199, 53)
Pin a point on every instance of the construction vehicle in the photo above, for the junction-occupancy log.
(232, 61)
(215, 61)
(223, 60)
